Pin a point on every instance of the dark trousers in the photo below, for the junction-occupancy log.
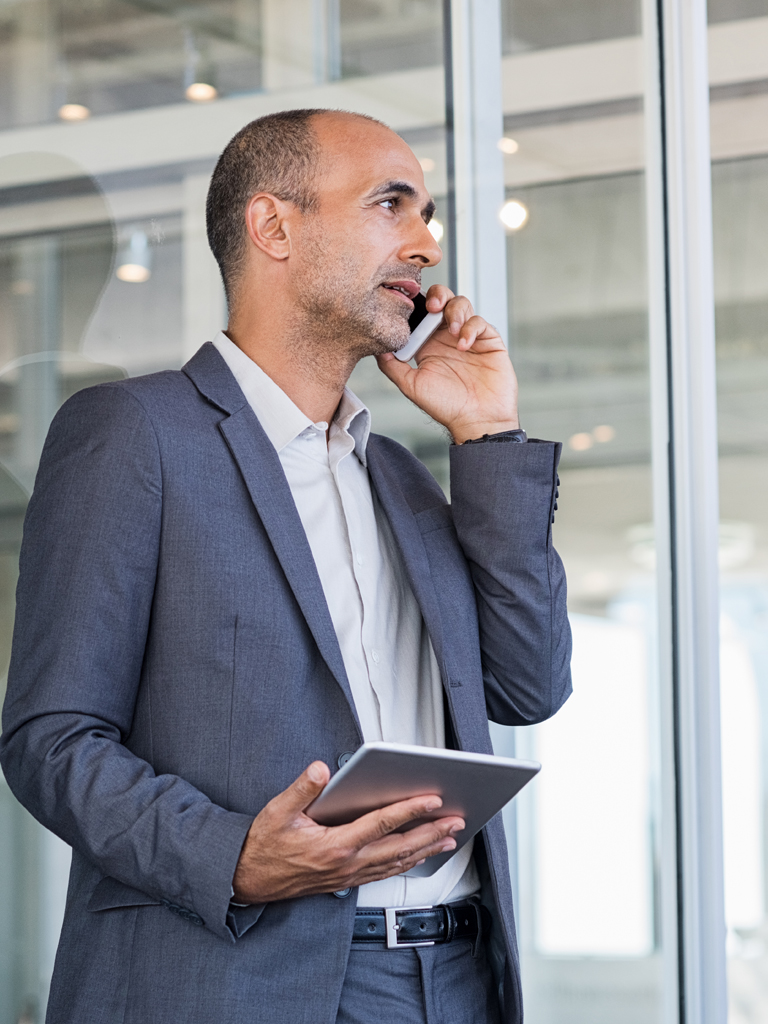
(441, 984)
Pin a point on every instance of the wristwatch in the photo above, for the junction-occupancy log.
(519, 436)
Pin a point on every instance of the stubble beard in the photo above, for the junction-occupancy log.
(342, 319)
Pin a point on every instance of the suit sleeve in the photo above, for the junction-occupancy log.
(84, 601)
(503, 501)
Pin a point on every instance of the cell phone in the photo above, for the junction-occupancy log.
(423, 325)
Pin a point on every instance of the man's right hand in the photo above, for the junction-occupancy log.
(287, 854)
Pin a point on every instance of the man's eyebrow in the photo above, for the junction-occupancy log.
(402, 188)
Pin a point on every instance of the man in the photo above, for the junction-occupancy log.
(227, 585)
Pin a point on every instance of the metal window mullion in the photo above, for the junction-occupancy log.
(665, 795)
(475, 123)
(690, 592)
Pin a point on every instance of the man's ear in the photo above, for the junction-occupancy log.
(267, 219)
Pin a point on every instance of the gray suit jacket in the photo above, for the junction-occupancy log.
(175, 666)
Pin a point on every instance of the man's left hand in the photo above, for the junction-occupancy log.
(463, 378)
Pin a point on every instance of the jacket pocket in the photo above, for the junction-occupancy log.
(110, 894)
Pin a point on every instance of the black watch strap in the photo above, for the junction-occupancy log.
(518, 436)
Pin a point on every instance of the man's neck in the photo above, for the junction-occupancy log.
(314, 383)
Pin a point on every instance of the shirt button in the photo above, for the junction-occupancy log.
(375, 656)
(359, 559)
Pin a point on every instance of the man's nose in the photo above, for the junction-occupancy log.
(421, 246)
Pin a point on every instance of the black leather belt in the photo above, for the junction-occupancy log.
(420, 926)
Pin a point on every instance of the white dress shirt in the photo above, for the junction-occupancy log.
(387, 653)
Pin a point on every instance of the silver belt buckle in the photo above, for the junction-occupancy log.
(392, 928)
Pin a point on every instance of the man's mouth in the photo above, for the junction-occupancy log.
(407, 288)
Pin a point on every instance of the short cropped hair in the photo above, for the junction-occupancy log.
(279, 154)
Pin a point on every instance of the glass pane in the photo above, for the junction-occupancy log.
(89, 57)
(104, 264)
(587, 829)
(739, 76)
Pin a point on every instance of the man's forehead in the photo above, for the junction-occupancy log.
(362, 155)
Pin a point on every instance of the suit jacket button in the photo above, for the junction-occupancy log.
(342, 893)
(343, 758)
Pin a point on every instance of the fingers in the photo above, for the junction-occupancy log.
(457, 309)
(437, 297)
(457, 312)
(476, 329)
(304, 790)
(399, 373)
(429, 838)
(395, 854)
(376, 824)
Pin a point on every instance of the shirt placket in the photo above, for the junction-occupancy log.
(362, 538)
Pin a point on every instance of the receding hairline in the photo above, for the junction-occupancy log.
(324, 115)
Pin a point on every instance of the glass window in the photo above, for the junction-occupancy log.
(587, 828)
(78, 58)
(112, 114)
(104, 264)
(739, 94)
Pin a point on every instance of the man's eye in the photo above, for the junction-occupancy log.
(389, 204)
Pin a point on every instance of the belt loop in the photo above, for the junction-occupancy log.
(450, 923)
(474, 900)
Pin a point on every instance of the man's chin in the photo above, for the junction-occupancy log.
(389, 339)
(379, 345)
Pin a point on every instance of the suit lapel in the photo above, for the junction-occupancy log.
(260, 467)
(411, 544)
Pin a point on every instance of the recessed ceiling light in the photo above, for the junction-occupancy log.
(508, 146)
(133, 273)
(74, 112)
(514, 215)
(580, 442)
(134, 260)
(604, 433)
(427, 164)
(201, 92)
(436, 229)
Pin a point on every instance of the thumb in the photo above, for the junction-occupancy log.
(399, 373)
(306, 788)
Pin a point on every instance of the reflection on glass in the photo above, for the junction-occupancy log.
(100, 281)
(537, 24)
(50, 283)
(739, 74)
(74, 60)
(586, 852)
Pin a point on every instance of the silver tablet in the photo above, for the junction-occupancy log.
(475, 786)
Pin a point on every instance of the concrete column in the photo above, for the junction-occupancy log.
(301, 43)
(203, 293)
(38, 319)
(34, 61)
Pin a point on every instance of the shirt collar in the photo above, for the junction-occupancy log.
(355, 418)
(281, 419)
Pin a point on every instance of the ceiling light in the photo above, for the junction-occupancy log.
(133, 273)
(514, 215)
(134, 260)
(436, 229)
(427, 164)
(508, 146)
(604, 433)
(74, 112)
(201, 92)
(580, 442)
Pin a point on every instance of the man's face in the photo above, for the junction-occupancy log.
(361, 252)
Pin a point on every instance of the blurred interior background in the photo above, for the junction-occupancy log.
(112, 114)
